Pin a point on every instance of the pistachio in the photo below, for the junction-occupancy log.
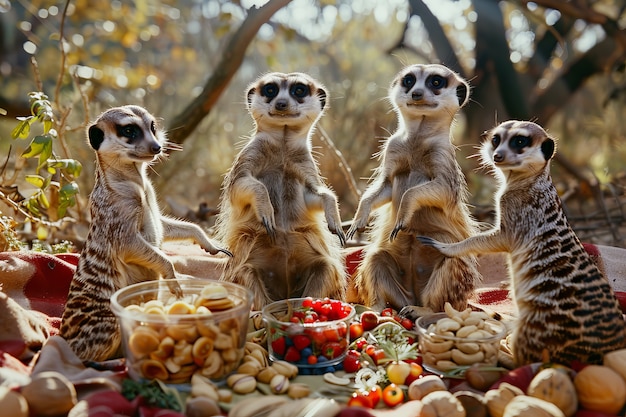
(285, 368)
(298, 390)
(250, 368)
(265, 375)
(241, 383)
(279, 384)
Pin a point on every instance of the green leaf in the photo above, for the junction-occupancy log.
(71, 166)
(43, 200)
(39, 145)
(36, 180)
(22, 130)
(68, 191)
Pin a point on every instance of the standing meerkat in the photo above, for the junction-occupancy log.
(126, 232)
(417, 189)
(274, 200)
(566, 307)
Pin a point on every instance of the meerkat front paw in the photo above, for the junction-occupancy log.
(358, 225)
(429, 241)
(175, 287)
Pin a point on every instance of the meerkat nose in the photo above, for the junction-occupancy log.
(281, 105)
(418, 94)
(155, 148)
(498, 157)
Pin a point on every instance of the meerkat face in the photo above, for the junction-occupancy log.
(278, 99)
(422, 90)
(517, 146)
(127, 132)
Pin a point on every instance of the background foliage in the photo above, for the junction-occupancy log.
(189, 62)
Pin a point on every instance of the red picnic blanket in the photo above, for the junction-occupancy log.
(34, 286)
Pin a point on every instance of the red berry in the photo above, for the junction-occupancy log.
(311, 360)
(292, 354)
(300, 341)
(331, 334)
(307, 302)
(332, 350)
(352, 361)
(279, 346)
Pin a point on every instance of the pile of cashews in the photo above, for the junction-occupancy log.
(461, 338)
(172, 347)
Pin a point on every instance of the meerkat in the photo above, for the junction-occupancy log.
(126, 232)
(276, 213)
(418, 188)
(566, 306)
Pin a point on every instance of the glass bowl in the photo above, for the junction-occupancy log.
(169, 339)
(302, 341)
(447, 347)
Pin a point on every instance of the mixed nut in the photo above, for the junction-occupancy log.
(460, 338)
(173, 347)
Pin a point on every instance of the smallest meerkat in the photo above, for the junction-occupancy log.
(566, 306)
(123, 245)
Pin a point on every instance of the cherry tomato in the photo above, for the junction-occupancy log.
(376, 393)
(393, 395)
(352, 361)
(360, 398)
(356, 330)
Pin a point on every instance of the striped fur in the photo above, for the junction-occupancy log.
(418, 188)
(126, 232)
(567, 308)
(276, 214)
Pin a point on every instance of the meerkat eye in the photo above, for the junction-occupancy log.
(519, 142)
(269, 90)
(408, 81)
(495, 141)
(129, 131)
(300, 90)
(437, 82)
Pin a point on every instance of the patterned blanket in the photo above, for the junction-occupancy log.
(34, 286)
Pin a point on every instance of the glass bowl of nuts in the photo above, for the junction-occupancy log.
(170, 338)
(454, 340)
(311, 333)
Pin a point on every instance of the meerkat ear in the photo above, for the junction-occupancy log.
(547, 148)
(462, 93)
(96, 137)
(251, 92)
(322, 95)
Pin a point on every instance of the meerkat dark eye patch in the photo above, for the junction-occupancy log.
(299, 90)
(518, 143)
(132, 132)
(408, 81)
(547, 148)
(270, 91)
(96, 137)
(436, 82)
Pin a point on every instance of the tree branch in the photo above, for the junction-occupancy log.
(183, 124)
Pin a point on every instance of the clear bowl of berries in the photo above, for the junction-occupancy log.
(311, 333)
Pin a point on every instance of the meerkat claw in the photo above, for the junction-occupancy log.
(225, 252)
(427, 241)
(395, 232)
